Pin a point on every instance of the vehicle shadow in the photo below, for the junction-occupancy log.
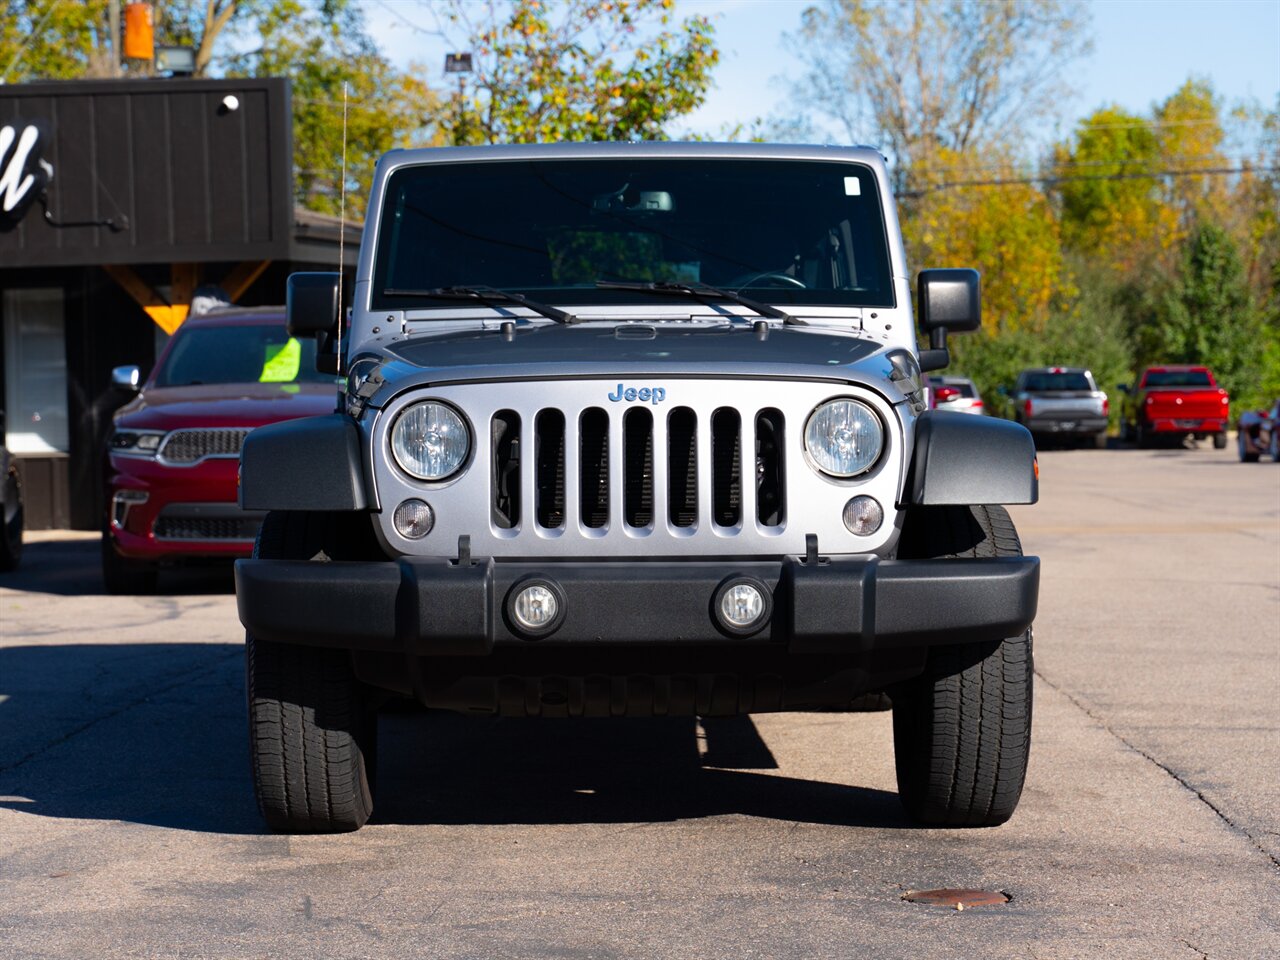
(155, 734)
(72, 568)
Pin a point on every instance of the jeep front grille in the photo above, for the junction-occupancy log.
(559, 470)
(192, 446)
(635, 472)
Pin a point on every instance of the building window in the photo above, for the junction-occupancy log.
(35, 371)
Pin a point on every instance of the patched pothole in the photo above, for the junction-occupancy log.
(957, 899)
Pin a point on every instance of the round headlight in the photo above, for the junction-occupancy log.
(844, 438)
(429, 441)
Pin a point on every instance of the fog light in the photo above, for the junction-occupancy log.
(863, 516)
(121, 501)
(742, 606)
(536, 607)
(414, 519)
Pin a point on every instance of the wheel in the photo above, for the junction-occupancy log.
(11, 515)
(1245, 455)
(122, 576)
(1220, 440)
(962, 730)
(312, 725)
(1141, 436)
(1100, 440)
(1273, 446)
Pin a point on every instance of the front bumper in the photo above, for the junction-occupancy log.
(1186, 425)
(443, 608)
(1068, 426)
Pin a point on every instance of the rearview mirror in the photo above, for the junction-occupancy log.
(949, 301)
(311, 304)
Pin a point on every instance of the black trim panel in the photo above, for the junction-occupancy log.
(308, 464)
(963, 459)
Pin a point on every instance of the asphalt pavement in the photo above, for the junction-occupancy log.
(1150, 825)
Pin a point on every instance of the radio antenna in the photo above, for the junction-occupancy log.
(342, 230)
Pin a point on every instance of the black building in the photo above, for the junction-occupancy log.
(119, 200)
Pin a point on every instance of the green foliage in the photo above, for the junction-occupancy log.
(1205, 315)
(1088, 333)
(321, 49)
(577, 70)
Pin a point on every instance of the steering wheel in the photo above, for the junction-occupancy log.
(775, 280)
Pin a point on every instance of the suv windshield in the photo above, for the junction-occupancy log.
(1177, 378)
(244, 353)
(790, 232)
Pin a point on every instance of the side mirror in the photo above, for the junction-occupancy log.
(949, 301)
(1003, 391)
(127, 378)
(1124, 387)
(311, 304)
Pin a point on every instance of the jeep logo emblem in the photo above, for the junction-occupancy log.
(654, 395)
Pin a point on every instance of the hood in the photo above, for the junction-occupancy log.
(600, 350)
(225, 405)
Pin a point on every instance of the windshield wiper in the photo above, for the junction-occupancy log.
(487, 296)
(699, 291)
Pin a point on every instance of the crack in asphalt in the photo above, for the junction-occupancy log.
(1078, 704)
(190, 676)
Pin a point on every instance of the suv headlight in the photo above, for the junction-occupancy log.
(139, 442)
(843, 438)
(430, 441)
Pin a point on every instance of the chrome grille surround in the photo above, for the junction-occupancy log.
(187, 447)
(814, 502)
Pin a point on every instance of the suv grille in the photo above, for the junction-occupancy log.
(191, 446)
(635, 472)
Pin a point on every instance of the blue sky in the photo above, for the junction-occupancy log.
(1143, 51)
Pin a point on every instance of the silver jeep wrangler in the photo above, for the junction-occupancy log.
(636, 429)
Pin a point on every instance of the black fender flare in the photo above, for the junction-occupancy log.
(312, 463)
(964, 459)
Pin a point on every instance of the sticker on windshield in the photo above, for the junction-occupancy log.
(852, 187)
(282, 362)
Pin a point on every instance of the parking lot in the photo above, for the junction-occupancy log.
(1148, 828)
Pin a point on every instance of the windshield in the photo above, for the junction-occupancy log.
(1177, 378)
(1037, 382)
(788, 232)
(247, 353)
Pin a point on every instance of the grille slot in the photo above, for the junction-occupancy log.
(771, 471)
(190, 446)
(682, 467)
(726, 467)
(549, 433)
(593, 440)
(505, 437)
(637, 495)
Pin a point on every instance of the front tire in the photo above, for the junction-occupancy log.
(962, 730)
(312, 725)
(1245, 455)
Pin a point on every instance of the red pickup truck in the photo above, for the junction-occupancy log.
(1175, 402)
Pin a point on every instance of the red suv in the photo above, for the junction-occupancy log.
(174, 452)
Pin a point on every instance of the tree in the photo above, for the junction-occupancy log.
(1205, 315)
(576, 70)
(1109, 192)
(918, 77)
(57, 40)
(1008, 232)
(322, 49)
